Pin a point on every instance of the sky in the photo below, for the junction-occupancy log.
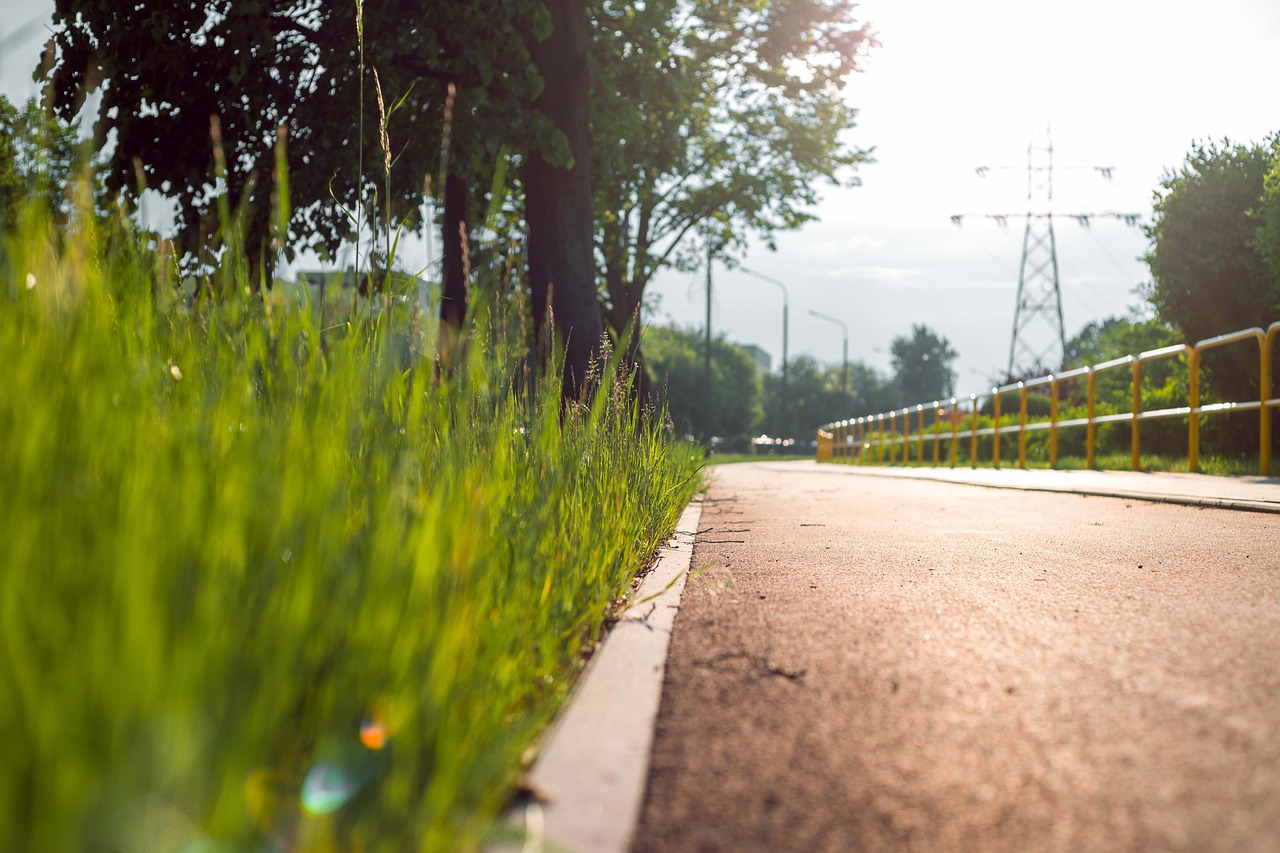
(958, 85)
(1129, 84)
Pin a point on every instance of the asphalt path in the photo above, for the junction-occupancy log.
(877, 663)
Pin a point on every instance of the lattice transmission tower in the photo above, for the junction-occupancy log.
(1039, 340)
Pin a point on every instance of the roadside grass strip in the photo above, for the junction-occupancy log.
(273, 587)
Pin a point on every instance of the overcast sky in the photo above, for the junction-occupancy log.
(957, 85)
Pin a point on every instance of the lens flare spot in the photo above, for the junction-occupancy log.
(326, 789)
(373, 733)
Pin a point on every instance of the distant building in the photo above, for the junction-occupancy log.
(764, 361)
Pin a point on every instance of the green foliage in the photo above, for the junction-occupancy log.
(1165, 381)
(676, 362)
(922, 365)
(1116, 337)
(812, 393)
(747, 402)
(1267, 215)
(714, 117)
(241, 550)
(1209, 245)
(12, 187)
(38, 156)
(1207, 276)
(306, 67)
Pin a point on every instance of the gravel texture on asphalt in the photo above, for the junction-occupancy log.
(870, 663)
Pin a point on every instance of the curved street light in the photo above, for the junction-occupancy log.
(785, 307)
(844, 369)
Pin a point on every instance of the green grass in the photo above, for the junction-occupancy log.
(1114, 461)
(732, 458)
(232, 547)
(1217, 465)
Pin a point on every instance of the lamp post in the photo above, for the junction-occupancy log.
(785, 306)
(783, 288)
(844, 369)
(707, 403)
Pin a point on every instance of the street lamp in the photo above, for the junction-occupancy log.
(844, 369)
(786, 405)
(785, 305)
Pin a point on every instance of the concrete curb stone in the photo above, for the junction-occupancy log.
(593, 766)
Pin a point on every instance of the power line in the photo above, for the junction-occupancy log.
(1038, 343)
(1107, 252)
(31, 26)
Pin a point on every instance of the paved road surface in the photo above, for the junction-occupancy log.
(875, 663)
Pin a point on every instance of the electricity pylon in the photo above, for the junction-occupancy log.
(1039, 339)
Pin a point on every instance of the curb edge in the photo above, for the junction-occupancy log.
(593, 766)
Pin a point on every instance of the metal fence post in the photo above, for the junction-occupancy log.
(973, 437)
(920, 434)
(1264, 394)
(955, 427)
(1053, 423)
(995, 433)
(1091, 428)
(1022, 425)
(1193, 416)
(937, 425)
(906, 435)
(1136, 462)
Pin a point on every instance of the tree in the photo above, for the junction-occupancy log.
(815, 395)
(1267, 217)
(38, 156)
(675, 359)
(309, 68)
(12, 186)
(713, 117)
(922, 365)
(375, 100)
(1207, 276)
(558, 196)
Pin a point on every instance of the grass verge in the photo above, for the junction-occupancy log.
(268, 592)
(1221, 466)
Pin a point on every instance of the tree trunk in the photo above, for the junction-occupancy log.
(457, 214)
(558, 203)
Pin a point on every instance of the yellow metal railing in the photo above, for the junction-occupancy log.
(876, 439)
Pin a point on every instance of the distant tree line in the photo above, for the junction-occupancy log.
(742, 402)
